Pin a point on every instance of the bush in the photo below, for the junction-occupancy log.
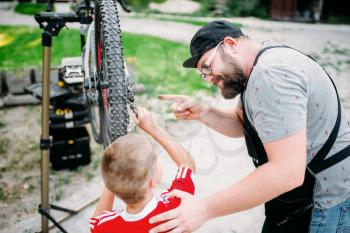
(247, 8)
(207, 7)
(339, 19)
(139, 5)
(30, 8)
(233, 8)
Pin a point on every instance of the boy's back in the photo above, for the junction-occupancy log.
(122, 221)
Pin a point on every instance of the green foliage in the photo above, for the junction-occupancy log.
(158, 62)
(4, 144)
(207, 6)
(30, 8)
(96, 163)
(58, 194)
(246, 8)
(4, 192)
(233, 8)
(88, 176)
(2, 124)
(64, 179)
(158, 65)
(339, 19)
(10, 193)
(139, 5)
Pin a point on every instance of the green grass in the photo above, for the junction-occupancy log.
(140, 5)
(2, 124)
(28, 8)
(23, 48)
(158, 62)
(4, 145)
(193, 21)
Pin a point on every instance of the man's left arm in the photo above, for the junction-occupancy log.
(278, 101)
(283, 172)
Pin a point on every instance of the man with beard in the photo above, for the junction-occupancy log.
(294, 127)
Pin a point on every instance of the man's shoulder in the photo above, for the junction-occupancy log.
(275, 77)
(286, 57)
(277, 66)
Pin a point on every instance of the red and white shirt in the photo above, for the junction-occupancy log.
(120, 221)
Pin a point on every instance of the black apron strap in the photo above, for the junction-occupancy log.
(266, 48)
(334, 159)
(319, 163)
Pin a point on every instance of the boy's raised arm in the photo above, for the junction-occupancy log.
(105, 202)
(176, 151)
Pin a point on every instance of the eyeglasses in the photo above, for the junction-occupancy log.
(206, 70)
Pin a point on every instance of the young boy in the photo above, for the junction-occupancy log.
(131, 171)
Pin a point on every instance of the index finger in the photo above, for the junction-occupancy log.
(176, 98)
(171, 214)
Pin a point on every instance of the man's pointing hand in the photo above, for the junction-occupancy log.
(184, 107)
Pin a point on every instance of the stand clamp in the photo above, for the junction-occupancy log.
(45, 144)
(46, 213)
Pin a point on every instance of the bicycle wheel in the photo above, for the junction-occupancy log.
(90, 83)
(112, 88)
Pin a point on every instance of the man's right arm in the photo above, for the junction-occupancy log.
(225, 121)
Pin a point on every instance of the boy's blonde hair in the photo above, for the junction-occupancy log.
(127, 166)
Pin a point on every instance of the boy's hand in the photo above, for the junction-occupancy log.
(146, 120)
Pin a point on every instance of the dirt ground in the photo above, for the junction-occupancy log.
(221, 161)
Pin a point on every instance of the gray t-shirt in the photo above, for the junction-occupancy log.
(288, 92)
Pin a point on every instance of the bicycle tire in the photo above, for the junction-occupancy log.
(113, 87)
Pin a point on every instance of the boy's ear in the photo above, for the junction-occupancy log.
(153, 182)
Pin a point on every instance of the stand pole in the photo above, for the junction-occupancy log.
(54, 24)
(45, 140)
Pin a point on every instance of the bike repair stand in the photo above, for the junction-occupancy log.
(50, 30)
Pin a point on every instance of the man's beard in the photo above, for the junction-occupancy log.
(233, 79)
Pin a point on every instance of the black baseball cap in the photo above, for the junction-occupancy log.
(207, 37)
